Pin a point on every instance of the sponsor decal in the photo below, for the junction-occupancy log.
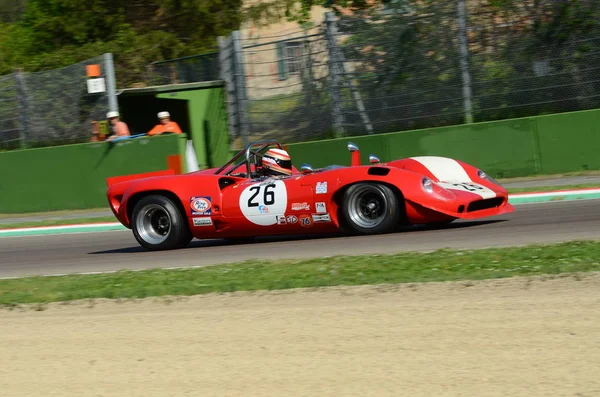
(262, 202)
(305, 221)
(321, 208)
(321, 218)
(202, 221)
(480, 190)
(281, 220)
(471, 187)
(201, 205)
(300, 206)
(291, 219)
(321, 188)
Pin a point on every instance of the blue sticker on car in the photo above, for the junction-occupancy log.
(201, 205)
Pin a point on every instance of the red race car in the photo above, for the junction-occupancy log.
(259, 193)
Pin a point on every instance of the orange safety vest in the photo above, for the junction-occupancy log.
(171, 126)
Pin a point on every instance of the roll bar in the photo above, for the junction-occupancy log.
(246, 152)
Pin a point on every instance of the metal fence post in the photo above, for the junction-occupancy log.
(307, 68)
(111, 88)
(23, 107)
(464, 63)
(226, 74)
(334, 73)
(240, 84)
(340, 63)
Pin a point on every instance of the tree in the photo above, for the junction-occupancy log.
(266, 12)
(57, 33)
(541, 61)
(11, 10)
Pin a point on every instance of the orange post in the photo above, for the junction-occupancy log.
(174, 163)
(92, 70)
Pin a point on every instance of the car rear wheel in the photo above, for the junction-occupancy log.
(370, 208)
(158, 224)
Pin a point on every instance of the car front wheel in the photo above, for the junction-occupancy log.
(370, 208)
(157, 224)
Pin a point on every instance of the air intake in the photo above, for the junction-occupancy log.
(485, 204)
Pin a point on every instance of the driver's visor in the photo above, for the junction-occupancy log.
(287, 164)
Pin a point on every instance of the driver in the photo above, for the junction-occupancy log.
(276, 162)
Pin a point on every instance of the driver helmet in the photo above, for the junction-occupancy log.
(276, 162)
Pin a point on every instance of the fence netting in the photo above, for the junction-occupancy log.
(415, 64)
(530, 60)
(49, 108)
(196, 68)
(406, 69)
(10, 127)
(286, 85)
(406, 65)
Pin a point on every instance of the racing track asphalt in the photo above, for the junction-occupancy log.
(109, 251)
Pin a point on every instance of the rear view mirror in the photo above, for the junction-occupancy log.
(374, 159)
(306, 169)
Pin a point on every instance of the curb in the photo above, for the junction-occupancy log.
(516, 199)
(556, 195)
(63, 229)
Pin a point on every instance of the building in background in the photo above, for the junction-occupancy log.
(279, 56)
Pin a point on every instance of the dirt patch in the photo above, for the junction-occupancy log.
(515, 337)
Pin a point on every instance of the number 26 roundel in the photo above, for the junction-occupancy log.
(263, 201)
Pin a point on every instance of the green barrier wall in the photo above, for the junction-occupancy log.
(509, 148)
(74, 176)
(569, 142)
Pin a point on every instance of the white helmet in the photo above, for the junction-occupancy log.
(163, 115)
(112, 114)
(277, 162)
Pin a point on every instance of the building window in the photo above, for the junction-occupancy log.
(289, 58)
(292, 53)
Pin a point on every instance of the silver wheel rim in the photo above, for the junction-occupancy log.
(153, 224)
(368, 207)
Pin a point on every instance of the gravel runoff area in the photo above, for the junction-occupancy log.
(513, 337)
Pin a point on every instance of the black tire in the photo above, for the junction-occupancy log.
(158, 224)
(370, 208)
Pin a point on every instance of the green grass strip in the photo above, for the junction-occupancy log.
(441, 265)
